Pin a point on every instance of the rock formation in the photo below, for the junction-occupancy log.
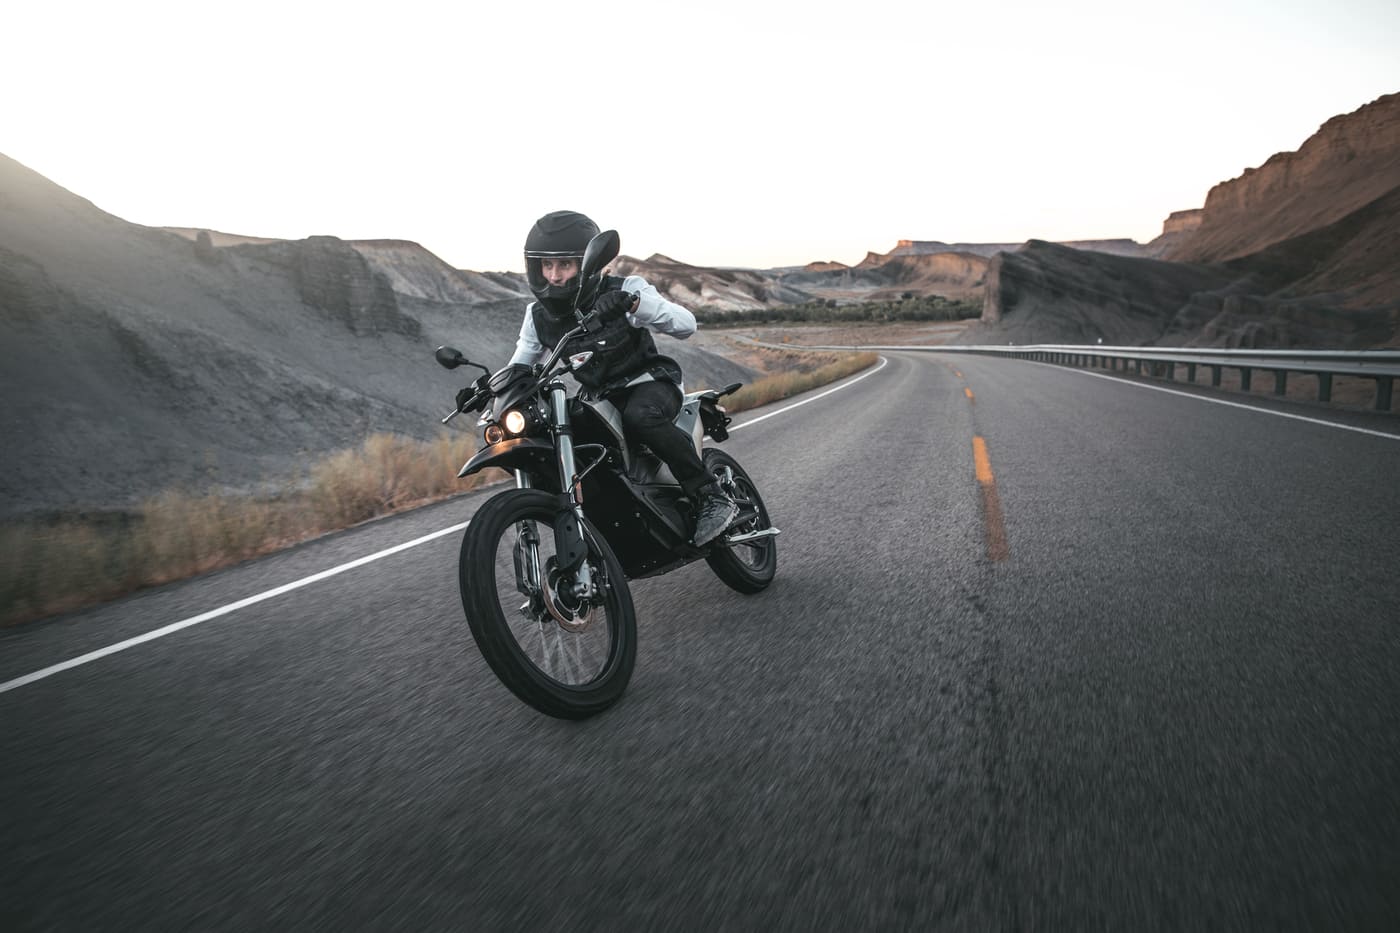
(1182, 222)
(204, 248)
(1118, 247)
(1048, 293)
(332, 277)
(1302, 252)
(1351, 161)
(1177, 226)
(415, 272)
(734, 290)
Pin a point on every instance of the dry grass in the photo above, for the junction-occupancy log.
(62, 563)
(65, 562)
(785, 384)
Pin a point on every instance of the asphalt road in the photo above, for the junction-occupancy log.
(1133, 668)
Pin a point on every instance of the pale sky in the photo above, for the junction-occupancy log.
(722, 134)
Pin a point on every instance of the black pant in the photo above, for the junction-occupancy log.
(649, 416)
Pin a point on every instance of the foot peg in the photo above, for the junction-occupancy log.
(752, 536)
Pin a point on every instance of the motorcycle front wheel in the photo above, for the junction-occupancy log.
(566, 656)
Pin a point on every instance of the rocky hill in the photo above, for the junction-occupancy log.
(917, 268)
(1047, 293)
(699, 287)
(1177, 226)
(1350, 162)
(953, 275)
(1302, 252)
(133, 359)
(414, 272)
(1117, 247)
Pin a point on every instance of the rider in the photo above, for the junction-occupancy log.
(625, 368)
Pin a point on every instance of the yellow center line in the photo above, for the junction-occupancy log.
(997, 546)
(968, 393)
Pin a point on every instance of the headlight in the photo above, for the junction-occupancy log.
(494, 434)
(514, 422)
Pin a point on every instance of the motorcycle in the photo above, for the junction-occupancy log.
(544, 566)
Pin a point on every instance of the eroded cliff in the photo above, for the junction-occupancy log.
(1352, 160)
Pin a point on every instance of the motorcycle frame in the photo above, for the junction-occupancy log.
(633, 500)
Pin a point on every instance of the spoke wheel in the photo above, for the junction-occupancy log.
(566, 654)
(750, 566)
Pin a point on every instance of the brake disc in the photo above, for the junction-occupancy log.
(571, 618)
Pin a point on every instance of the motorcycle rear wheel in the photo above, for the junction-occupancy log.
(747, 567)
(569, 674)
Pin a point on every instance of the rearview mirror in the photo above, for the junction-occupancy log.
(601, 250)
(450, 357)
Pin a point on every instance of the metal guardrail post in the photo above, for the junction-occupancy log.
(1190, 372)
(1215, 376)
(1280, 382)
(1324, 387)
(1383, 387)
(1246, 377)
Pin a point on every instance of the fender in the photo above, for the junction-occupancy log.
(516, 453)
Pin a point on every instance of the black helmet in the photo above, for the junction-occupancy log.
(560, 235)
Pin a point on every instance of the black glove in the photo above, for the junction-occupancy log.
(465, 396)
(612, 305)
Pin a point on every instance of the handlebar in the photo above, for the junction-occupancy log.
(544, 371)
(476, 403)
(548, 367)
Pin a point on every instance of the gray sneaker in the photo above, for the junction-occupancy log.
(713, 515)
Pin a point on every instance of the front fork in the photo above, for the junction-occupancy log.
(569, 545)
(571, 551)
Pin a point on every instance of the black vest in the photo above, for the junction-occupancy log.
(621, 352)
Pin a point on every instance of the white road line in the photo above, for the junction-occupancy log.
(843, 385)
(1221, 401)
(223, 610)
(317, 577)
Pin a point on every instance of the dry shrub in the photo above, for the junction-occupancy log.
(783, 385)
(46, 566)
(66, 562)
(386, 473)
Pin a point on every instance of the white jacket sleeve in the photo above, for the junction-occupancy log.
(655, 312)
(528, 349)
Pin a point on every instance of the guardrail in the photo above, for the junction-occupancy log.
(1383, 366)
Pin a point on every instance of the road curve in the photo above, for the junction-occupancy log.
(1045, 650)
